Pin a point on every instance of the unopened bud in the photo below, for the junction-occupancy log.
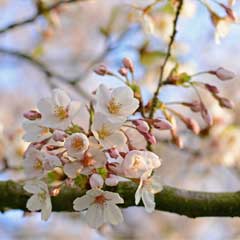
(96, 181)
(206, 116)
(101, 70)
(195, 106)
(150, 138)
(226, 103)
(192, 125)
(123, 71)
(141, 126)
(178, 141)
(211, 88)
(113, 152)
(127, 62)
(55, 191)
(162, 124)
(32, 115)
(59, 136)
(223, 74)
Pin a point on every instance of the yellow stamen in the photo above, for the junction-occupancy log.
(103, 132)
(61, 112)
(113, 106)
(77, 143)
(38, 164)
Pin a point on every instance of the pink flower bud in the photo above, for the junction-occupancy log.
(141, 126)
(101, 70)
(162, 124)
(226, 103)
(211, 88)
(123, 71)
(32, 115)
(127, 62)
(196, 106)
(59, 136)
(223, 74)
(113, 152)
(206, 116)
(178, 141)
(96, 181)
(192, 125)
(150, 138)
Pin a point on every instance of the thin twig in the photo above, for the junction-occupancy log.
(168, 55)
(38, 13)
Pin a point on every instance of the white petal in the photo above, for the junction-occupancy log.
(112, 214)
(138, 193)
(45, 106)
(113, 197)
(71, 169)
(35, 186)
(34, 203)
(148, 200)
(94, 216)
(46, 209)
(117, 139)
(74, 109)
(82, 203)
(60, 98)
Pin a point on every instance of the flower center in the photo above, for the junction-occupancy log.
(113, 106)
(88, 161)
(38, 164)
(61, 113)
(100, 199)
(137, 162)
(42, 196)
(103, 132)
(44, 131)
(77, 143)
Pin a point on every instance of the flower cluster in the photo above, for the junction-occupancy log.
(64, 152)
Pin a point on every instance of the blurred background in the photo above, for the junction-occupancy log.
(61, 48)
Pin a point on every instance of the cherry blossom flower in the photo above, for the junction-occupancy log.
(101, 207)
(34, 132)
(96, 181)
(58, 111)
(147, 187)
(76, 144)
(37, 162)
(136, 163)
(40, 200)
(93, 159)
(107, 132)
(117, 104)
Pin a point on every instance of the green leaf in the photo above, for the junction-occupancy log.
(81, 181)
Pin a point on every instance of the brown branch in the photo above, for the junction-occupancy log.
(183, 202)
(168, 55)
(38, 13)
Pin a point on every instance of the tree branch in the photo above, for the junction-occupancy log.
(38, 13)
(189, 203)
(168, 55)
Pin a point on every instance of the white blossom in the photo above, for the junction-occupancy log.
(34, 132)
(40, 200)
(58, 111)
(37, 162)
(147, 187)
(76, 144)
(107, 132)
(117, 104)
(101, 207)
(136, 163)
